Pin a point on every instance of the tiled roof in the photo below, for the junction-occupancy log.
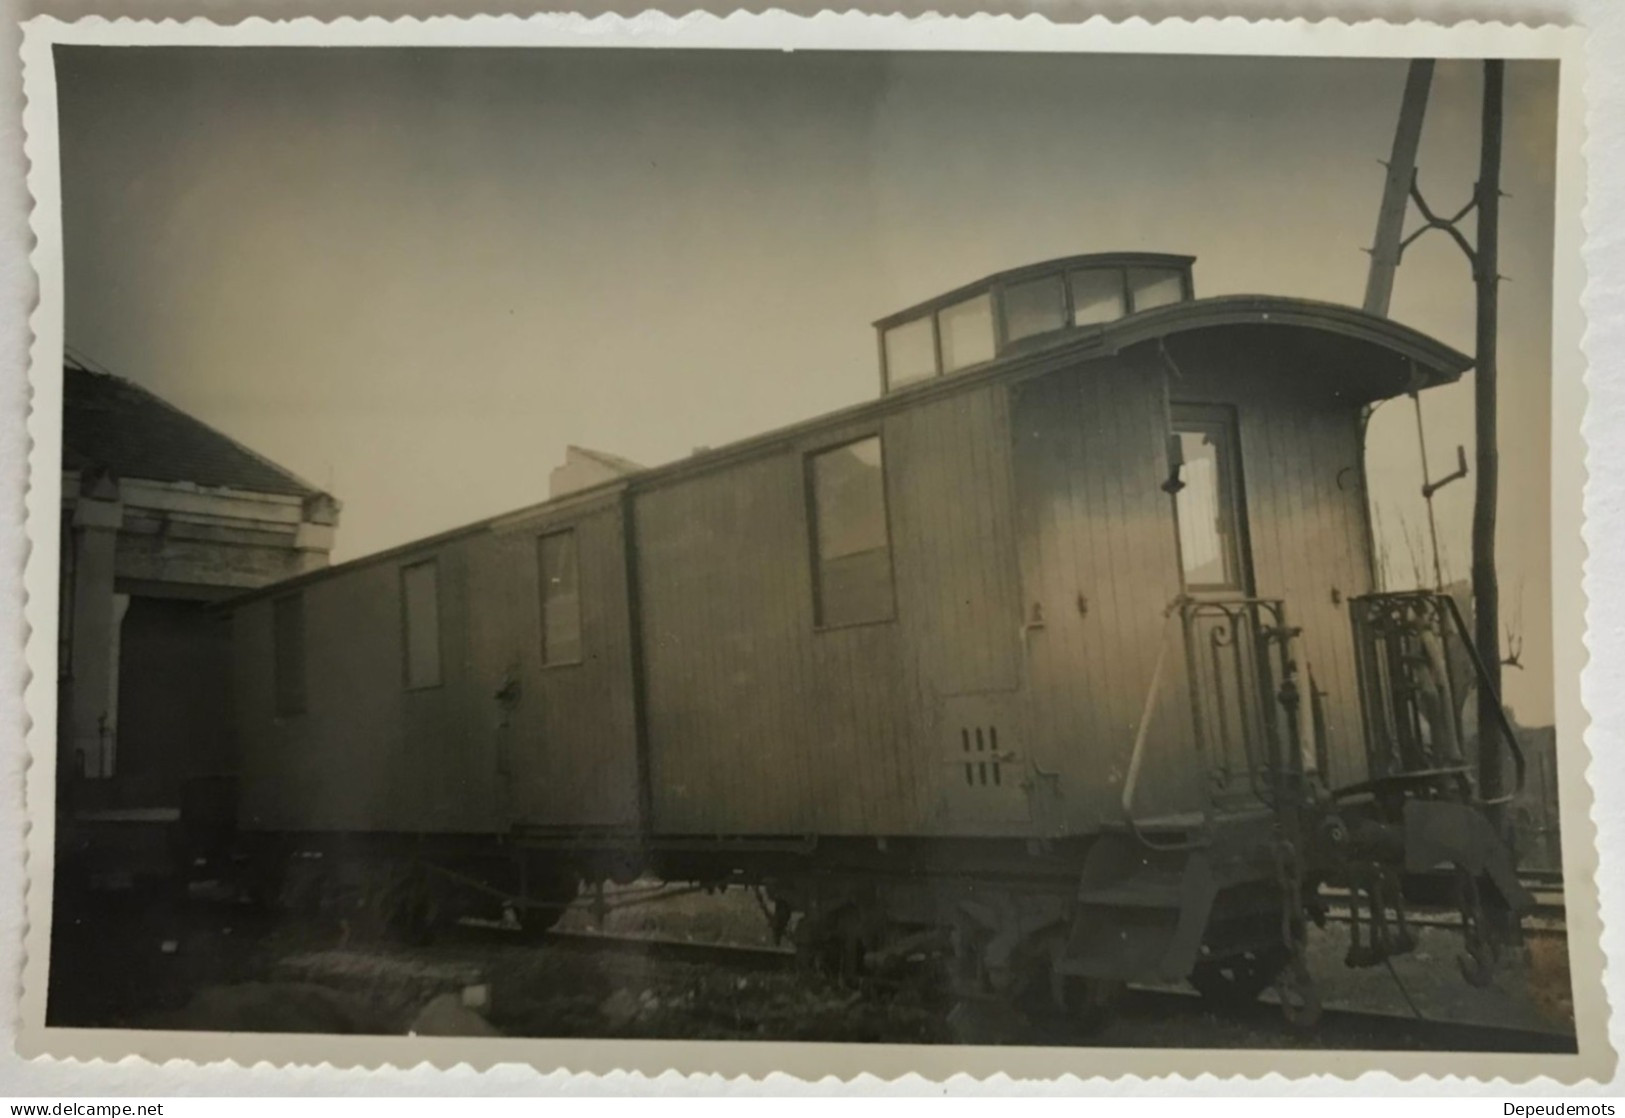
(110, 423)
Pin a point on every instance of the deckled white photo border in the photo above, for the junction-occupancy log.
(829, 31)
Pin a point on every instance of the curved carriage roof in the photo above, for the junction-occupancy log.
(1435, 363)
(1074, 304)
(1362, 356)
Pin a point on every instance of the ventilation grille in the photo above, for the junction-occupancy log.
(982, 765)
(981, 775)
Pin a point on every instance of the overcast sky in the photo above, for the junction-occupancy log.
(413, 276)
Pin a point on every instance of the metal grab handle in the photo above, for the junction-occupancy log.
(1518, 763)
(1142, 732)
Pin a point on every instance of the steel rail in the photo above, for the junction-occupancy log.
(1352, 1028)
(1338, 1027)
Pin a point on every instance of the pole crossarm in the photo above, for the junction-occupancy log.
(1483, 253)
(1450, 225)
(1401, 176)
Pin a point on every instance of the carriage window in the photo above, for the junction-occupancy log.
(1097, 296)
(1155, 287)
(561, 598)
(967, 333)
(911, 353)
(1208, 505)
(288, 653)
(851, 544)
(1035, 307)
(420, 596)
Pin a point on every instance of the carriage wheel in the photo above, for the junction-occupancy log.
(1478, 965)
(1071, 1002)
(1238, 980)
(555, 892)
(1300, 998)
(1075, 1005)
(262, 879)
(535, 922)
(832, 944)
(404, 903)
(381, 899)
(1091, 1003)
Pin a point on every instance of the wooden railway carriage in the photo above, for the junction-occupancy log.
(1030, 653)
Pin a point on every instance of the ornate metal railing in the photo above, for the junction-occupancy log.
(1245, 705)
(1411, 684)
(1417, 666)
(1244, 697)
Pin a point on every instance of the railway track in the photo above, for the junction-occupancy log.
(1538, 927)
(1339, 1027)
(741, 956)
(1357, 1029)
(1546, 920)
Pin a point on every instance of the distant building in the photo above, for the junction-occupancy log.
(161, 516)
(583, 469)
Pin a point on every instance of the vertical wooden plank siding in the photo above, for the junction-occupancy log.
(759, 722)
(1098, 568)
(262, 802)
(1301, 452)
(345, 763)
(727, 614)
(370, 754)
(435, 772)
(566, 735)
(1035, 561)
(952, 527)
(958, 599)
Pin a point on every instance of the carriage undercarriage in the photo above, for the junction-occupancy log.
(1225, 900)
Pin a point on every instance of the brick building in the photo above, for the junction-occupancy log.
(161, 516)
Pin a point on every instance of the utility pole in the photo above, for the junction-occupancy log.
(1486, 592)
(1396, 192)
(1483, 253)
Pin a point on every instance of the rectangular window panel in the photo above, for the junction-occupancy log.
(1155, 287)
(420, 593)
(967, 333)
(1097, 296)
(1208, 507)
(852, 547)
(1035, 307)
(911, 353)
(561, 598)
(288, 653)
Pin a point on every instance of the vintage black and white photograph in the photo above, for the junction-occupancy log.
(1027, 549)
